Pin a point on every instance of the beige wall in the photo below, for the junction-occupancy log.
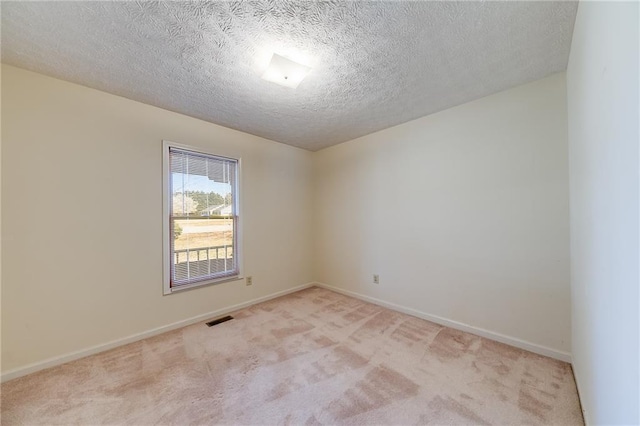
(602, 91)
(82, 217)
(0, 217)
(463, 214)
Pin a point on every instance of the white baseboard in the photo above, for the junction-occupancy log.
(52, 362)
(585, 413)
(508, 340)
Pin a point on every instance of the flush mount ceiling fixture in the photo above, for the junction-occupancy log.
(285, 72)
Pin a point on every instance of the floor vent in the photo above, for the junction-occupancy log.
(219, 320)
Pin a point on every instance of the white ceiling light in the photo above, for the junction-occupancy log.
(285, 72)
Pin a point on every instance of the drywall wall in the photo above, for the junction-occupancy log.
(602, 96)
(0, 216)
(82, 217)
(464, 214)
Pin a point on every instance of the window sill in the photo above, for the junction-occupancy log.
(186, 287)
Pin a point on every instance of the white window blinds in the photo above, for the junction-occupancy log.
(203, 217)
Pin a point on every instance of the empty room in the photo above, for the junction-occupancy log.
(320, 212)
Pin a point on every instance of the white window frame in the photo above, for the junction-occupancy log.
(167, 198)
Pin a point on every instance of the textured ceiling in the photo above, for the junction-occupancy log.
(374, 64)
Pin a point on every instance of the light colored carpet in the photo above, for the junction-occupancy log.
(312, 357)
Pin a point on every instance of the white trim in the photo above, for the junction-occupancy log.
(186, 287)
(508, 340)
(52, 362)
(239, 231)
(585, 413)
(166, 210)
(167, 200)
(62, 359)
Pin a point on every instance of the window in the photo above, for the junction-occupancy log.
(200, 218)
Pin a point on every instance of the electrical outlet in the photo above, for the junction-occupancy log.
(376, 279)
(249, 280)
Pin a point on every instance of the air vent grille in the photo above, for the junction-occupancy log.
(219, 321)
